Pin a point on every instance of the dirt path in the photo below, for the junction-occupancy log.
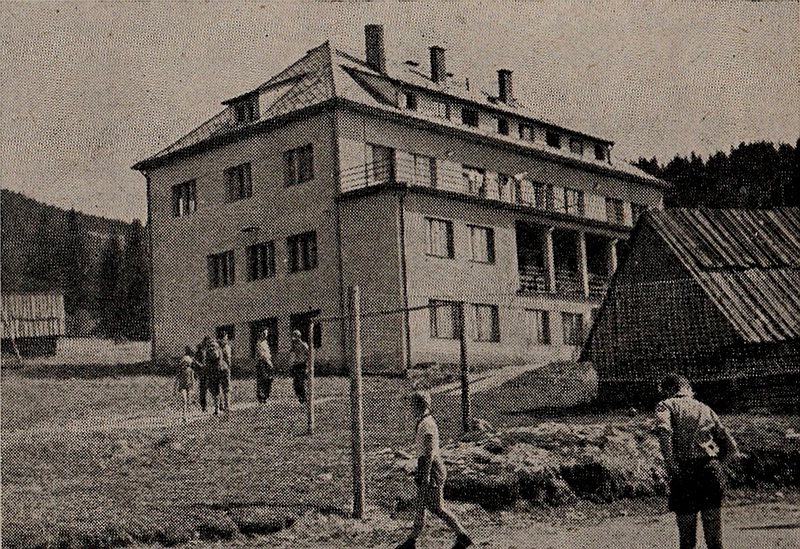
(768, 525)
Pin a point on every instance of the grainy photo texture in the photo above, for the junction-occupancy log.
(398, 275)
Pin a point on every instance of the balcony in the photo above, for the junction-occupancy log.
(532, 280)
(568, 283)
(422, 171)
(598, 284)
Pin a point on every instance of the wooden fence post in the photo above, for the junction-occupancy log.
(356, 409)
(466, 406)
(310, 373)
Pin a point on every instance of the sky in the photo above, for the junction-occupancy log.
(87, 89)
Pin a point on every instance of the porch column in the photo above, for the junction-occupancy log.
(583, 268)
(611, 254)
(550, 259)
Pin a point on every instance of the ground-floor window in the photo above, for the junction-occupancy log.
(572, 324)
(299, 321)
(444, 319)
(487, 323)
(258, 326)
(537, 324)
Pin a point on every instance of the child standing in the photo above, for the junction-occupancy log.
(184, 380)
(430, 476)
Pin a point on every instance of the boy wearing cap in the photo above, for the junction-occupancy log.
(298, 358)
(430, 476)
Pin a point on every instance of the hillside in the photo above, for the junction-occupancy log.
(99, 264)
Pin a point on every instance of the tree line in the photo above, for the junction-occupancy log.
(99, 264)
(752, 175)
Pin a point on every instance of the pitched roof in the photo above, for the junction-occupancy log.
(326, 72)
(746, 261)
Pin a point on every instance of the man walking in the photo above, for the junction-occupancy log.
(299, 361)
(264, 369)
(200, 371)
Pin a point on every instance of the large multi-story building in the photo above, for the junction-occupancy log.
(407, 182)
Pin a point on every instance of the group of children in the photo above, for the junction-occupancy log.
(693, 440)
(208, 367)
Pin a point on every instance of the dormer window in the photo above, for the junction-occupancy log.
(469, 117)
(553, 139)
(502, 126)
(576, 146)
(600, 152)
(246, 110)
(411, 101)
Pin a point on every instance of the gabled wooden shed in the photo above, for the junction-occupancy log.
(712, 294)
(31, 323)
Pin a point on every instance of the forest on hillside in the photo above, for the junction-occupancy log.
(99, 264)
(752, 175)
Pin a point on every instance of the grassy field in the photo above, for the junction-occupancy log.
(251, 473)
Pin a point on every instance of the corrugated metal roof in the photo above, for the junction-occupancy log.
(326, 72)
(746, 261)
(31, 315)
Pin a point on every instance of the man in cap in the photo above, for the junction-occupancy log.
(264, 368)
(299, 361)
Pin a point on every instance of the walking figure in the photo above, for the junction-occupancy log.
(693, 442)
(184, 380)
(264, 368)
(299, 361)
(218, 377)
(200, 371)
(430, 476)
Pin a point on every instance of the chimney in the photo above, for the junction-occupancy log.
(373, 39)
(505, 88)
(438, 68)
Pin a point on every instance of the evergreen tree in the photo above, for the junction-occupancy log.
(112, 294)
(137, 283)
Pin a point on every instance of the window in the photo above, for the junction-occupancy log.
(229, 329)
(261, 261)
(444, 319)
(440, 238)
(502, 126)
(380, 165)
(221, 269)
(600, 152)
(246, 110)
(184, 198)
(300, 322)
(474, 180)
(240, 182)
(553, 139)
(526, 132)
(487, 323)
(302, 251)
(615, 212)
(572, 324)
(411, 101)
(576, 146)
(573, 202)
(298, 165)
(258, 326)
(537, 323)
(481, 242)
(439, 109)
(469, 117)
(424, 171)
(636, 211)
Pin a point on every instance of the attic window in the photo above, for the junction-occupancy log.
(576, 146)
(469, 117)
(599, 152)
(411, 101)
(553, 140)
(502, 126)
(246, 110)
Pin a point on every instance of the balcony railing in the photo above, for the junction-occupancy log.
(598, 284)
(568, 283)
(421, 172)
(532, 279)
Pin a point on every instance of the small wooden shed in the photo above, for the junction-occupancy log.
(710, 293)
(31, 323)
